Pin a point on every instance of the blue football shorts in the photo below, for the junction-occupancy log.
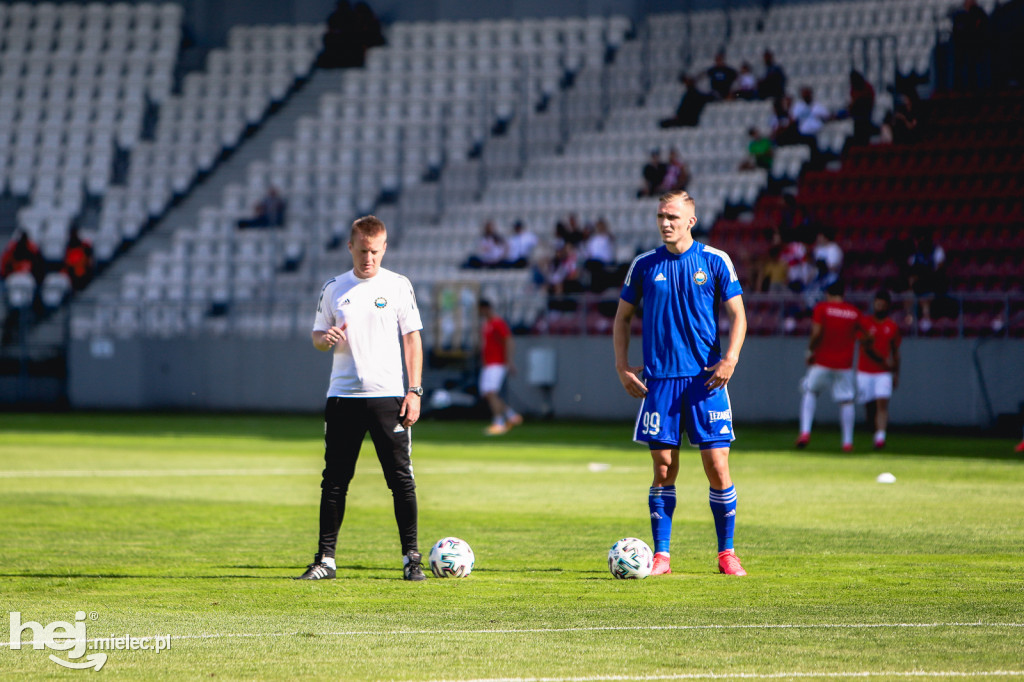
(674, 405)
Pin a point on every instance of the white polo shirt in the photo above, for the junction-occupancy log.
(377, 311)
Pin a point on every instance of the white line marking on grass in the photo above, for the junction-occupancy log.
(188, 473)
(598, 628)
(755, 676)
(150, 473)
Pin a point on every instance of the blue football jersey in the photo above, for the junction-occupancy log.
(681, 296)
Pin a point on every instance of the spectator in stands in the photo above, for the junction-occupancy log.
(78, 260)
(760, 151)
(745, 86)
(780, 125)
(927, 276)
(340, 38)
(350, 32)
(690, 105)
(1007, 23)
(599, 256)
(809, 117)
(654, 173)
(520, 246)
(720, 77)
(268, 211)
(828, 256)
(860, 109)
(773, 272)
(971, 42)
(799, 269)
(773, 82)
(677, 174)
(368, 27)
(561, 275)
(904, 121)
(570, 232)
(22, 255)
(490, 249)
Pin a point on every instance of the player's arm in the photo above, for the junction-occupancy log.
(629, 376)
(722, 370)
(867, 346)
(814, 342)
(412, 345)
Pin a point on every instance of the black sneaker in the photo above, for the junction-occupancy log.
(318, 570)
(413, 569)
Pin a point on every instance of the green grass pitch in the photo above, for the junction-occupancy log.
(193, 526)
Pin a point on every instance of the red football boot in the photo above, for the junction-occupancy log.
(729, 563)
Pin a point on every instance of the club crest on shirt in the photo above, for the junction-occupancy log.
(700, 277)
(381, 302)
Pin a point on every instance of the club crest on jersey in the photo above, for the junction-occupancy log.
(700, 277)
(381, 302)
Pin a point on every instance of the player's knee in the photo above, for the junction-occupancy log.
(665, 474)
(401, 482)
(335, 482)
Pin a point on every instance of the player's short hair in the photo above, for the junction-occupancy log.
(837, 288)
(484, 303)
(883, 295)
(368, 226)
(679, 194)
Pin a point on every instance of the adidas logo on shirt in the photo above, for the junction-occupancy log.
(661, 277)
(725, 429)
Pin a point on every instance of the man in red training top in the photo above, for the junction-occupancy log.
(496, 349)
(836, 327)
(878, 366)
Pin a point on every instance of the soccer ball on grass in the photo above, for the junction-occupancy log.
(451, 558)
(630, 558)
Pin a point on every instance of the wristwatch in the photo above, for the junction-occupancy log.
(418, 390)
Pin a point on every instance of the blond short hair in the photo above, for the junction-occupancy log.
(368, 226)
(679, 194)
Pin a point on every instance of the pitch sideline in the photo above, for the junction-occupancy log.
(609, 628)
(188, 473)
(753, 676)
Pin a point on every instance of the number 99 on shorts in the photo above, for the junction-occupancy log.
(650, 423)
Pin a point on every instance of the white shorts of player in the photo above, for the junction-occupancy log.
(819, 378)
(491, 378)
(873, 385)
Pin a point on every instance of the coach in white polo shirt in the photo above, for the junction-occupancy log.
(359, 318)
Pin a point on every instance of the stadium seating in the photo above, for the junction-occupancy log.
(75, 81)
(530, 120)
(960, 185)
(215, 107)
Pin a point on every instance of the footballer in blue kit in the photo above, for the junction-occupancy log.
(683, 286)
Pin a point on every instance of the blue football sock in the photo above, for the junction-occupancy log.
(723, 508)
(662, 502)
